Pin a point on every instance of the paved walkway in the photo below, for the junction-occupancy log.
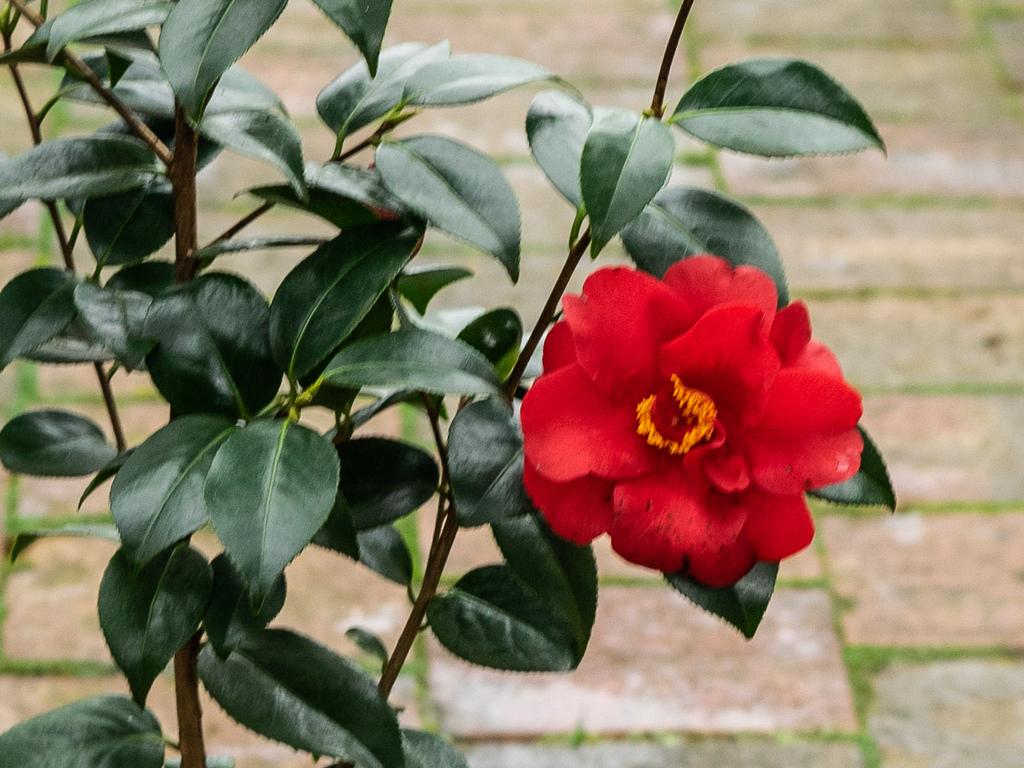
(896, 642)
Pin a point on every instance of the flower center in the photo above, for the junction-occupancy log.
(676, 418)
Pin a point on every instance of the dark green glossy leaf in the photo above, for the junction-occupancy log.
(147, 615)
(742, 605)
(492, 618)
(382, 550)
(871, 486)
(456, 189)
(270, 489)
(356, 99)
(343, 212)
(626, 160)
(129, 226)
(8, 204)
(244, 245)
(562, 574)
(157, 496)
(364, 21)
(485, 454)
(326, 296)
(201, 39)
(230, 616)
(98, 732)
(53, 443)
(684, 221)
(291, 689)
(93, 18)
(151, 278)
(107, 471)
(81, 166)
(75, 344)
(557, 126)
(368, 643)
(425, 750)
(469, 78)
(25, 539)
(34, 307)
(414, 359)
(116, 319)
(383, 480)
(775, 108)
(263, 135)
(213, 350)
(497, 335)
(420, 284)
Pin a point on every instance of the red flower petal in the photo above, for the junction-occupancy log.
(571, 430)
(727, 355)
(559, 348)
(579, 511)
(807, 437)
(777, 526)
(706, 281)
(791, 332)
(666, 523)
(723, 568)
(618, 324)
(728, 472)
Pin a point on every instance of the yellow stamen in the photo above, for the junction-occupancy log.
(695, 408)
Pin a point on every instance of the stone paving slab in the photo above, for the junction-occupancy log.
(957, 714)
(938, 580)
(656, 663)
(950, 447)
(1008, 36)
(712, 753)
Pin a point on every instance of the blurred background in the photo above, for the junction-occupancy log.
(895, 641)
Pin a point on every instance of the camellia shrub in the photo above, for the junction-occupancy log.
(680, 406)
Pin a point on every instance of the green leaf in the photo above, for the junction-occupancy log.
(368, 643)
(230, 616)
(364, 21)
(157, 496)
(383, 480)
(742, 605)
(270, 489)
(420, 284)
(35, 306)
(382, 549)
(129, 226)
(458, 190)
(201, 39)
(684, 221)
(75, 344)
(295, 691)
(107, 471)
(151, 278)
(562, 574)
(355, 99)
(871, 486)
(321, 301)
(82, 166)
(25, 539)
(8, 205)
(98, 732)
(493, 619)
(147, 615)
(557, 126)
(627, 158)
(213, 350)
(415, 359)
(262, 135)
(93, 18)
(115, 319)
(425, 750)
(53, 443)
(246, 244)
(470, 78)
(775, 108)
(485, 455)
(497, 335)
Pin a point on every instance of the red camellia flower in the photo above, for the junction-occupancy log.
(686, 417)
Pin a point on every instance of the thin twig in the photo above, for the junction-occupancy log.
(658, 102)
(182, 174)
(66, 250)
(81, 69)
(190, 712)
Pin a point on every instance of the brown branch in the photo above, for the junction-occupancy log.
(547, 313)
(190, 712)
(658, 101)
(81, 69)
(182, 174)
(66, 251)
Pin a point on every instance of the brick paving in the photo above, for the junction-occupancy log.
(895, 642)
